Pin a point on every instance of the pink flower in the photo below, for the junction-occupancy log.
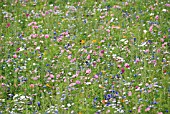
(35, 43)
(94, 64)
(73, 60)
(137, 17)
(58, 76)
(46, 12)
(72, 84)
(158, 50)
(31, 85)
(50, 10)
(74, 76)
(30, 24)
(168, 5)
(88, 71)
(77, 73)
(62, 51)
(34, 35)
(160, 113)
(129, 93)
(163, 45)
(139, 110)
(55, 7)
(35, 78)
(137, 60)
(96, 76)
(14, 56)
(36, 27)
(48, 78)
(118, 66)
(88, 57)
(112, 15)
(85, 51)
(46, 36)
(147, 109)
(34, 23)
(101, 54)
(162, 40)
(108, 30)
(101, 17)
(43, 14)
(59, 39)
(164, 37)
(51, 76)
(156, 17)
(94, 53)
(126, 3)
(69, 57)
(149, 91)
(1, 77)
(98, 60)
(108, 111)
(147, 51)
(78, 82)
(127, 65)
(151, 28)
(2, 84)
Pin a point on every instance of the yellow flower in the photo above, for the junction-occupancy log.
(48, 85)
(93, 41)
(103, 71)
(44, 53)
(82, 41)
(124, 36)
(123, 100)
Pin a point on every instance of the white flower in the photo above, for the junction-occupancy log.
(134, 108)
(164, 10)
(122, 40)
(38, 48)
(21, 49)
(22, 97)
(88, 83)
(145, 31)
(69, 73)
(68, 105)
(121, 111)
(151, 14)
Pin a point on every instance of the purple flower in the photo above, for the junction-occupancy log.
(102, 51)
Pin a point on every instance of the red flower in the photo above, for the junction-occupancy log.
(7, 25)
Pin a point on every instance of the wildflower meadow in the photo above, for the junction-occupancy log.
(84, 56)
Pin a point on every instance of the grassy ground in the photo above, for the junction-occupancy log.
(86, 57)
